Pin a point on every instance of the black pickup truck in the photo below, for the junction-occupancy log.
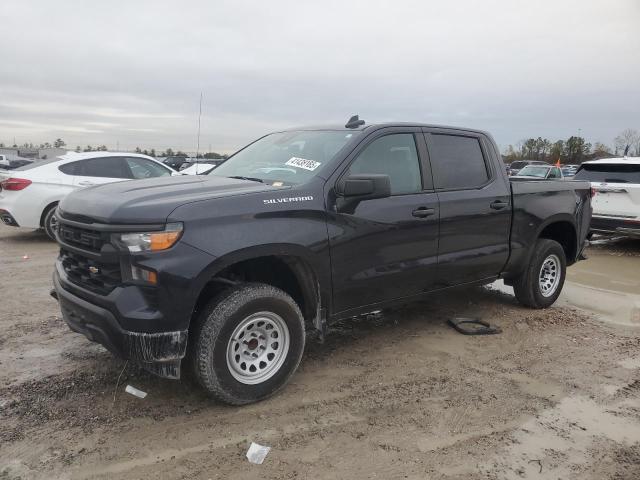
(303, 227)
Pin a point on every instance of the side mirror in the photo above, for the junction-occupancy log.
(365, 187)
(356, 188)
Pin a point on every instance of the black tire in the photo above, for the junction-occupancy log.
(49, 222)
(218, 322)
(528, 288)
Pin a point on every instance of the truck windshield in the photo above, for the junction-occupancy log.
(531, 171)
(285, 157)
(609, 172)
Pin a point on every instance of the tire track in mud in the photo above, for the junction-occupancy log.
(328, 422)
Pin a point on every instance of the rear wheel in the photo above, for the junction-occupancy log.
(248, 343)
(540, 284)
(50, 222)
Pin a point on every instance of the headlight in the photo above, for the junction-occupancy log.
(150, 241)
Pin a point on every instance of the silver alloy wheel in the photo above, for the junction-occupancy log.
(549, 277)
(257, 348)
(53, 222)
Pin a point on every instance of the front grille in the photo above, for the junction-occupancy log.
(93, 275)
(81, 237)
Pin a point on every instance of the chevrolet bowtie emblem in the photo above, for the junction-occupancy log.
(93, 269)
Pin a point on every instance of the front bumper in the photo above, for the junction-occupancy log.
(160, 353)
(619, 226)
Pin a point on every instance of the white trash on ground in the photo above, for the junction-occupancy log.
(134, 391)
(257, 453)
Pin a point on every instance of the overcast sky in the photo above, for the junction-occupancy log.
(131, 72)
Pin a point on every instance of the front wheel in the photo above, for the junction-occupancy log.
(248, 342)
(540, 284)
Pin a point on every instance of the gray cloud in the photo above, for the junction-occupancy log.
(132, 72)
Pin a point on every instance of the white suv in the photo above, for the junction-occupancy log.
(29, 194)
(616, 203)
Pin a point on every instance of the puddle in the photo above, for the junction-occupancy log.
(630, 363)
(570, 430)
(610, 389)
(606, 285)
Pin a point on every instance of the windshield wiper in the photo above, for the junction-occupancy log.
(240, 177)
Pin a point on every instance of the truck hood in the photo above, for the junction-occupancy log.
(151, 200)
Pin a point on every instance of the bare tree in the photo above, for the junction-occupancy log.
(601, 150)
(629, 137)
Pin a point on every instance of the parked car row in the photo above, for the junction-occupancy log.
(539, 172)
(514, 167)
(12, 163)
(569, 170)
(199, 166)
(616, 181)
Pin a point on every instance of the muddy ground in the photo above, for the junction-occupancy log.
(556, 395)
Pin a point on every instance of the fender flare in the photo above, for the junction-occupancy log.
(306, 265)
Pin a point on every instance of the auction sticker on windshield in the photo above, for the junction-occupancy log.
(310, 165)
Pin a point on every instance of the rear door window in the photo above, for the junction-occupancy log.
(457, 162)
(609, 172)
(106, 167)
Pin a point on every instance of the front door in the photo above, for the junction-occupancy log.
(385, 249)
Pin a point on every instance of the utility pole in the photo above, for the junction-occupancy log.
(199, 116)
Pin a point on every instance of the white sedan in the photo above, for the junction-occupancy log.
(29, 194)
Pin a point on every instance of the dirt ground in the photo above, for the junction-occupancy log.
(556, 395)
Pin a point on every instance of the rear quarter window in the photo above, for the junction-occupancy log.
(68, 168)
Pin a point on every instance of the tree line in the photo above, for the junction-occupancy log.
(574, 150)
(58, 143)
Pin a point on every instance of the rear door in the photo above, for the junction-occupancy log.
(386, 248)
(97, 171)
(617, 188)
(475, 209)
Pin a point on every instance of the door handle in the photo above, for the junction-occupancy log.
(86, 184)
(422, 212)
(499, 205)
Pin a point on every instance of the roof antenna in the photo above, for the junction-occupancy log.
(354, 122)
